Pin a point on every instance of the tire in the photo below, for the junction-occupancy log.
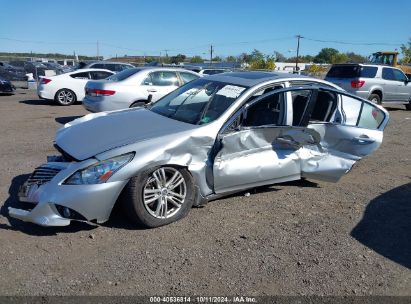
(375, 98)
(137, 104)
(158, 207)
(65, 97)
(408, 106)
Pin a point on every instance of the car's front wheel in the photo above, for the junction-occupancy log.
(65, 97)
(159, 196)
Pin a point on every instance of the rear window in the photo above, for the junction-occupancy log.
(352, 71)
(123, 75)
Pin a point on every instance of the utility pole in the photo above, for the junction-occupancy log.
(298, 52)
(98, 51)
(211, 55)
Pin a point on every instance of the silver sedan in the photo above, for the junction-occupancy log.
(211, 137)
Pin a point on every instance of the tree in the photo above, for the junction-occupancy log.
(279, 57)
(339, 58)
(355, 58)
(196, 59)
(325, 55)
(244, 58)
(217, 58)
(406, 52)
(231, 59)
(178, 58)
(256, 55)
(149, 59)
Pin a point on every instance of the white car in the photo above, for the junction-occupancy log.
(134, 87)
(68, 88)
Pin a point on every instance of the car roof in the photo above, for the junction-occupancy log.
(88, 70)
(252, 78)
(110, 62)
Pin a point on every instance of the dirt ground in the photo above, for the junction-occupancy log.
(300, 238)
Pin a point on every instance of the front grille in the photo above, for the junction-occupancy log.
(42, 175)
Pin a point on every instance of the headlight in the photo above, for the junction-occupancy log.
(99, 172)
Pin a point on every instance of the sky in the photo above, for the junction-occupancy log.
(133, 27)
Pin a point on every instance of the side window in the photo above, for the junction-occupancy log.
(324, 107)
(112, 67)
(83, 75)
(187, 77)
(368, 72)
(98, 66)
(147, 80)
(268, 111)
(300, 101)
(164, 78)
(388, 74)
(399, 76)
(99, 75)
(361, 114)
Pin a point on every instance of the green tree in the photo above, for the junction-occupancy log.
(196, 59)
(217, 58)
(244, 58)
(178, 58)
(256, 55)
(355, 58)
(279, 57)
(406, 52)
(149, 59)
(326, 55)
(231, 59)
(339, 58)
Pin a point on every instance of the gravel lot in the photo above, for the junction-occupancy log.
(349, 238)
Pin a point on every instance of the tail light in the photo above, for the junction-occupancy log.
(45, 80)
(97, 92)
(356, 84)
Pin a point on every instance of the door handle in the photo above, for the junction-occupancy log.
(151, 90)
(363, 140)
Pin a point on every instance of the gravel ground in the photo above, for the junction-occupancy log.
(349, 238)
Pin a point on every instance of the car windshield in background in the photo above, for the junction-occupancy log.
(198, 102)
(123, 75)
(352, 71)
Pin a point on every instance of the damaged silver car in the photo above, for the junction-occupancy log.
(213, 136)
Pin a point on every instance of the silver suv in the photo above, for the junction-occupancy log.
(377, 83)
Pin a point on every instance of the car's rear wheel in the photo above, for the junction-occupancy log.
(65, 97)
(159, 196)
(375, 98)
(408, 105)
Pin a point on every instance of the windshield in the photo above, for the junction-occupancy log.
(124, 74)
(198, 102)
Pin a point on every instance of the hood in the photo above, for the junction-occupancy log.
(96, 133)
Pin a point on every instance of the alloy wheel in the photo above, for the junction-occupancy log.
(164, 192)
(65, 97)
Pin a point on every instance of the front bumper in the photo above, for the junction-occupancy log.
(86, 202)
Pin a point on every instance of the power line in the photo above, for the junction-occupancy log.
(352, 43)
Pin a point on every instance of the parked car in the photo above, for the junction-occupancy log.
(36, 68)
(56, 67)
(9, 72)
(66, 89)
(213, 136)
(134, 87)
(377, 83)
(212, 71)
(6, 86)
(107, 65)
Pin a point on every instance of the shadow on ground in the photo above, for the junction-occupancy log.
(29, 228)
(65, 119)
(39, 102)
(386, 225)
